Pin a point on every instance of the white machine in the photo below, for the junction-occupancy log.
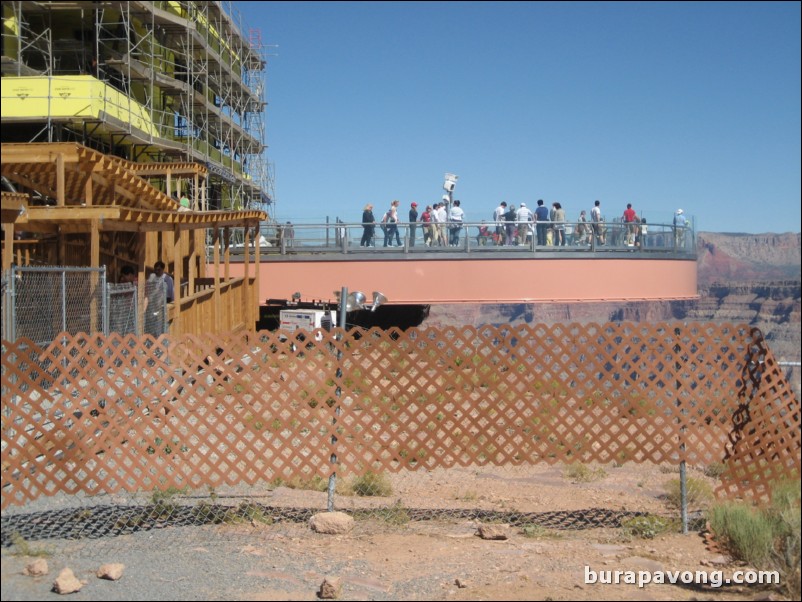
(291, 320)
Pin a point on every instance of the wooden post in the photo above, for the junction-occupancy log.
(94, 262)
(247, 306)
(178, 274)
(8, 250)
(217, 308)
(61, 194)
(255, 294)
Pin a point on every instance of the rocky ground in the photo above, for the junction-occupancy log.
(387, 556)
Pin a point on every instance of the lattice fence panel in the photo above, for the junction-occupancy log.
(119, 413)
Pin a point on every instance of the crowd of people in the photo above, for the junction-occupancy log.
(441, 225)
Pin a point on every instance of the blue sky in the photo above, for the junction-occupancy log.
(662, 105)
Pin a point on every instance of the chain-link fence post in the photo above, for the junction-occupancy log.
(338, 392)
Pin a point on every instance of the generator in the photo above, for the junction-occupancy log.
(291, 320)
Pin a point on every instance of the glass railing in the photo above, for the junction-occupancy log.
(470, 237)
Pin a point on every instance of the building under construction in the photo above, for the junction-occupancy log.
(133, 133)
(147, 82)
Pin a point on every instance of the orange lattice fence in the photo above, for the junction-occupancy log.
(106, 414)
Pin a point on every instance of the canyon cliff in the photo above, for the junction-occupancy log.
(754, 279)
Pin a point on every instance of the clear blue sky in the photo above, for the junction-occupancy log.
(691, 105)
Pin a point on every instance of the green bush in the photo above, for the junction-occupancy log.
(699, 493)
(372, 484)
(766, 538)
(581, 473)
(648, 526)
(714, 470)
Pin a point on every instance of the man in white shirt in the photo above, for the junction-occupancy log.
(442, 218)
(167, 281)
(523, 216)
(680, 224)
(456, 218)
(498, 217)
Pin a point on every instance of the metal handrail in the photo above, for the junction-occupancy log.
(345, 238)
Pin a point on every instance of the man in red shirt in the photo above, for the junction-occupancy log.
(630, 219)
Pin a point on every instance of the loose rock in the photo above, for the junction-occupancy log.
(494, 531)
(331, 523)
(67, 582)
(37, 568)
(331, 588)
(112, 571)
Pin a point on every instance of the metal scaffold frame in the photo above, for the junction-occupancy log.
(175, 82)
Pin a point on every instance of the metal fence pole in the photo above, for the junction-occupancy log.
(337, 393)
(683, 494)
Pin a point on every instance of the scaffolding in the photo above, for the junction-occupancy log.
(159, 82)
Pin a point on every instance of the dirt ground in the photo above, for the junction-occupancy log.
(436, 557)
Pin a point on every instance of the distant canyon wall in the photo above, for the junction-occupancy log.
(743, 278)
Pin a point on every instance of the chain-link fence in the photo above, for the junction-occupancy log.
(40, 302)
(44, 301)
(492, 424)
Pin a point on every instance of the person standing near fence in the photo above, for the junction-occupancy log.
(368, 226)
(455, 220)
(498, 218)
(159, 275)
(524, 218)
(159, 291)
(559, 225)
(680, 223)
(596, 219)
(631, 221)
(542, 217)
(413, 219)
(128, 275)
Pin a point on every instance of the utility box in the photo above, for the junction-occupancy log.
(291, 320)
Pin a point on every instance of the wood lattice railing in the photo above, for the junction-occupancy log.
(99, 414)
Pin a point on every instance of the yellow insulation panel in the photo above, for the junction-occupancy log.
(78, 97)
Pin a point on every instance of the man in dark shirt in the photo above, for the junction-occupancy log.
(413, 218)
(542, 215)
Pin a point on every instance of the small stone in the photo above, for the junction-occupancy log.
(67, 582)
(112, 571)
(460, 583)
(331, 588)
(497, 532)
(37, 568)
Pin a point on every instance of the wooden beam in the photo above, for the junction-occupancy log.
(61, 195)
(8, 246)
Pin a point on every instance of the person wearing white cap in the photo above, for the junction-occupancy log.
(523, 216)
(680, 226)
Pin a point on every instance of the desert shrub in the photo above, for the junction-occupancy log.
(313, 483)
(699, 493)
(581, 473)
(747, 532)
(535, 531)
(714, 470)
(395, 514)
(648, 526)
(766, 538)
(372, 484)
